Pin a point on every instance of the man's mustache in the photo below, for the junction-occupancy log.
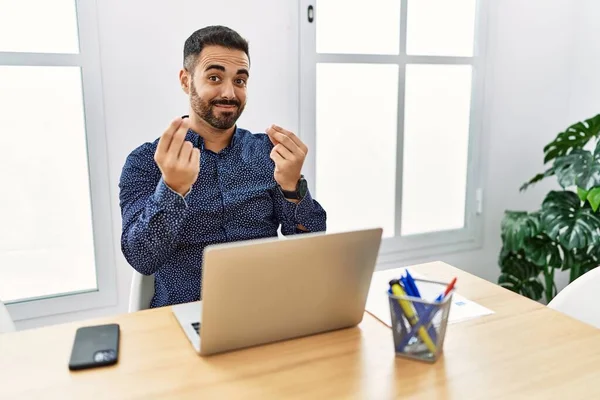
(225, 103)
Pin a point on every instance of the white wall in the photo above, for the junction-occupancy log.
(585, 90)
(543, 77)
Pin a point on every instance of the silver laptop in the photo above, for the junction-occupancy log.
(267, 290)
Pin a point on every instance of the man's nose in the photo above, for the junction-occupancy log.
(227, 91)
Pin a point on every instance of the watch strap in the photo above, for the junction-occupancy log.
(299, 193)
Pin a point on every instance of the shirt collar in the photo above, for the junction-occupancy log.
(198, 141)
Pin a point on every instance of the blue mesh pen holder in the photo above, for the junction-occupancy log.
(419, 324)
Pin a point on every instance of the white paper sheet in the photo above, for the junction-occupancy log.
(378, 305)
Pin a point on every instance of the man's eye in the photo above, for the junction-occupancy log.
(240, 81)
(213, 78)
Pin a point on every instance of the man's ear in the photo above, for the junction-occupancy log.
(185, 80)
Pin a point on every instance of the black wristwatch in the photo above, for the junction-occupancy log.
(299, 193)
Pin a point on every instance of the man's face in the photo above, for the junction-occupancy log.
(217, 87)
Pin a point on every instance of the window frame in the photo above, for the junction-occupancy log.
(419, 246)
(88, 59)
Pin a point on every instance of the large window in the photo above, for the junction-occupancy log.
(56, 251)
(391, 94)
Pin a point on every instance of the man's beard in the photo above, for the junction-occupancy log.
(206, 111)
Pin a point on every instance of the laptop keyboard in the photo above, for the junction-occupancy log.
(196, 326)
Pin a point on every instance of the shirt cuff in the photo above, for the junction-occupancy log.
(166, 197)
(299, 213)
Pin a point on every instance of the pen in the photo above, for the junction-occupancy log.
(411, 282)
(410, 286)
(409, 312)
(448, 289)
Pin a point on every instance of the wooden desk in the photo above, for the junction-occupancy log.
(523, 351)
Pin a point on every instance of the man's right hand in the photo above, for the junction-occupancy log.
(177, 158)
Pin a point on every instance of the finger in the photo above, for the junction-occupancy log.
(165, 140)
(178, 138)
(292, 136)
(195, 157)
(270, 132)
(286, 141)
(275, 156)
(284, 152)
(186, 152)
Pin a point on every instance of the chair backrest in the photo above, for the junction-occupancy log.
(6, 322)
(580, 298)
(141, 292)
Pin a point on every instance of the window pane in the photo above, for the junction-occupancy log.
(436, 137)
(46, 241)
(441, 27)
(356, 145)
(355, 27)
(38, 26)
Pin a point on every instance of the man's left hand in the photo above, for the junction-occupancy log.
(288, 154)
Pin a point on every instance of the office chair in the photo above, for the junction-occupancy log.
(6, 322)
(141, 292)
(579, 298)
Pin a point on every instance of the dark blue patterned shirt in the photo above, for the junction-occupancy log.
(234, 198)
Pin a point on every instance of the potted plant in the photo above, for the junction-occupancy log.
(565, 233)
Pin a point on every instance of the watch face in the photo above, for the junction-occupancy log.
(302, 187)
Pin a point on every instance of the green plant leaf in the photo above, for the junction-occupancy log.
(537, 178)
(520, 275)
(583, 194)
(565, 221)
(575, 137)
(570, 260)
(517, 226)
(580, 168)
(580, 261)
(543, 252)
(594, 252)
(594, 198)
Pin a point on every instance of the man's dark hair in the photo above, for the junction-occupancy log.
(216, 35)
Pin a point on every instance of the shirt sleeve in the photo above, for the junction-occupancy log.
(308, 213)
(152, 215)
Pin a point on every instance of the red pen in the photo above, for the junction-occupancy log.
(448, 290)
(450, 287)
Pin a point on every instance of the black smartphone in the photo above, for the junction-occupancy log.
(95, 346)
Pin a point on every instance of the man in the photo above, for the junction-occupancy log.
(206, 181)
